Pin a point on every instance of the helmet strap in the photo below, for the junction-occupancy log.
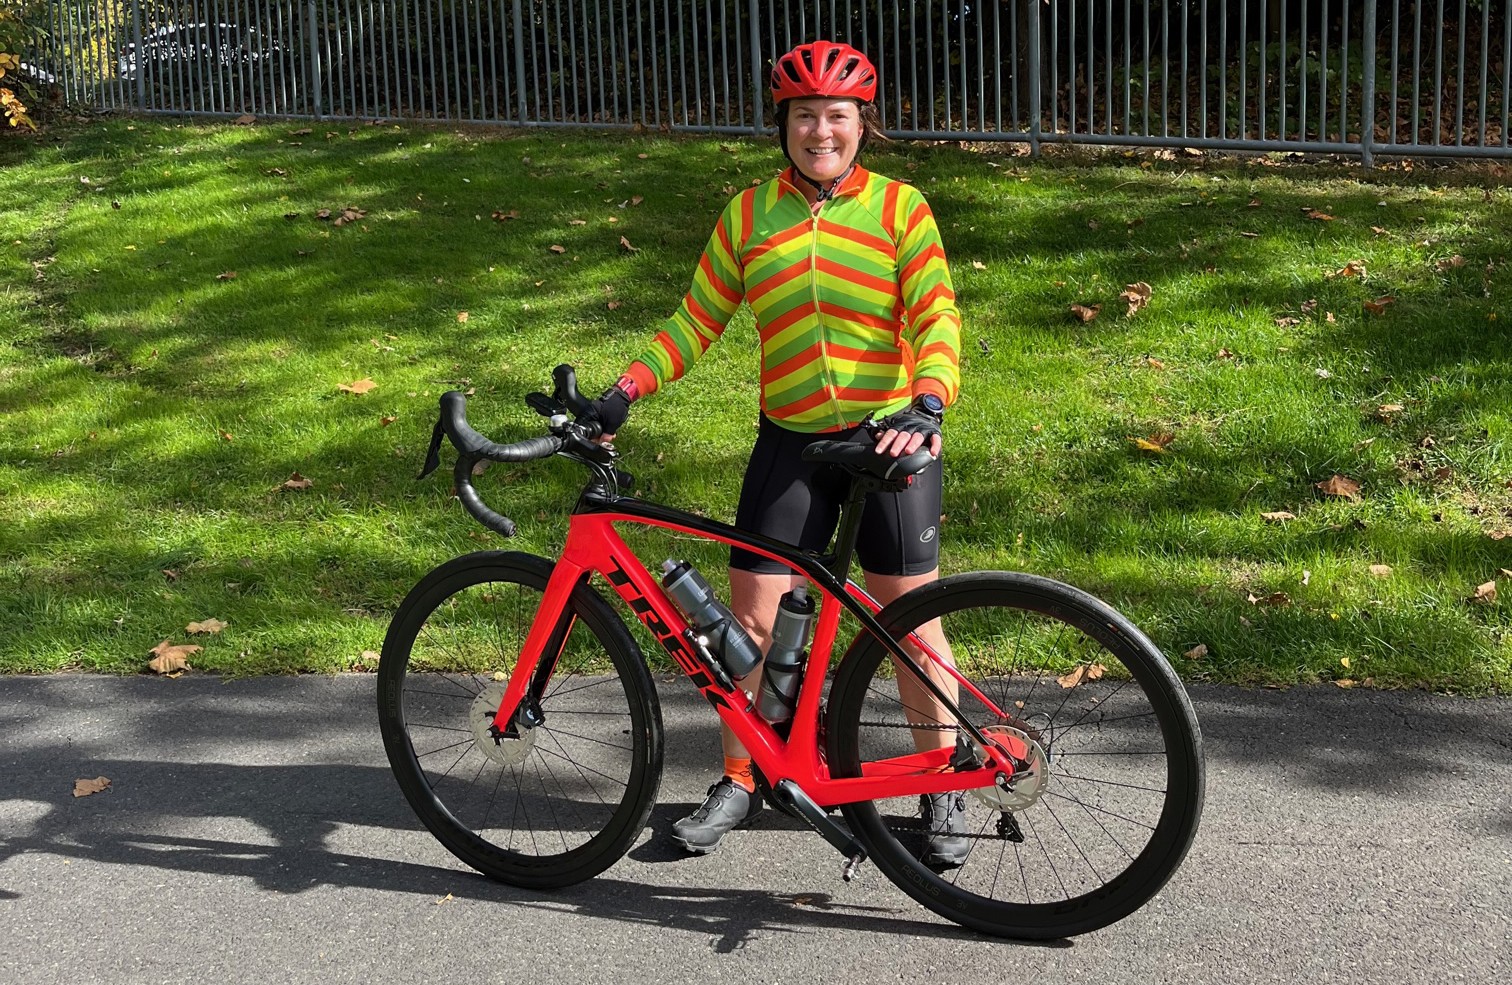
(825, 193)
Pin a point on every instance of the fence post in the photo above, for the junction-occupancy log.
(519, 60)
(139, 57)
(315, 79)
(1368, 93)
(754, 34)
(1034, 77)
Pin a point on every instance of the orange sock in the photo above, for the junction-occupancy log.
(738, 768)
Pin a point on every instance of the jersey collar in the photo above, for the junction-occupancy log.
(852, 184)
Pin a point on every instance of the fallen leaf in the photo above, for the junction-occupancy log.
(1082, 674)
(1354, 268)
(1340, 486)
(1254, 203)
(1154, 442)
(506, 216)
(348, 214)
(1381, 570)
(1154, 363)
(1379, 305)
(1224, 353)
(1306, 576)
(170, 574)
(978, 265)
(612, 305)
(323, 214)
(1137, 295)
(386, 420)
(1450, 262)
(1274, 598)
(1197, 652)
(1378, 230)
(1315, 215)
(228, 275)
(1249, 235)
(1344, 682)
(1485, 593)
(1286, 321)
(305, 132)
(1086, 312)
(445, 899)
(83, 788)
(226, 436)
(208, 626)
(358, 387)
(169, 658)
(1344, 662)
(369, 657)
(1309, 306)
(462, 317)
(636, 199)
(556, 248)
(297, 481)
(1278, 516)
(626, 244)
(577, 222)
(245, 120)
(1386, 410)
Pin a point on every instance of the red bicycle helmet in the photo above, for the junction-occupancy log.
(824, 68)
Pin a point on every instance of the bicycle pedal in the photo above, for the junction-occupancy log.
(852, 864)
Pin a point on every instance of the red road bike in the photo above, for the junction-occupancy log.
(523, 725)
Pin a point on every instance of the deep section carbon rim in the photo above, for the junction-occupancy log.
(1114, 794)
(553, 804)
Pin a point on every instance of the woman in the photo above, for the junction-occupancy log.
(845, 274)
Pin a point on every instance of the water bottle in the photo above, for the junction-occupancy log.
(711, 618)
(785, 657)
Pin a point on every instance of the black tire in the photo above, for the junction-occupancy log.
(1123, 769)
(565, 801)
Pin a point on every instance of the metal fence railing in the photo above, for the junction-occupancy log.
(1366, 77)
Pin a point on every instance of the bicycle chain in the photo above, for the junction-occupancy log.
(928, 727)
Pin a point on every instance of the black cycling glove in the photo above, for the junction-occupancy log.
(609, 410)
(916, 419)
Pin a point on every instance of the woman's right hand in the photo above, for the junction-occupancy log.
(609, 411)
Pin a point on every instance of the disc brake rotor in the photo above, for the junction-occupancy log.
(1028, 785)
(502, 750)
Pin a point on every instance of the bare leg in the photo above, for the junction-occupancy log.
(753, 599)
(922, 707)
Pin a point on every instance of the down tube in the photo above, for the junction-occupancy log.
(594, 545)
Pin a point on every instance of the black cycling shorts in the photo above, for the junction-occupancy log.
(798, 502)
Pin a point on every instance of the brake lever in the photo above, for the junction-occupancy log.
(565, 378)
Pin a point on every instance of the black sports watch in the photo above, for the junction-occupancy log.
(931, 405)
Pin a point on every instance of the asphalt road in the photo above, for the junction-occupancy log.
(252, 833)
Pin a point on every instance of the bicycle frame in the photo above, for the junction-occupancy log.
(593, 545)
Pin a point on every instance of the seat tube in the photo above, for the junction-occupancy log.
(556, 604)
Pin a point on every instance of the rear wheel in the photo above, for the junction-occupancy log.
(558, 803)
(1116, 788)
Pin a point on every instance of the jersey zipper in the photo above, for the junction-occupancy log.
(824, 371)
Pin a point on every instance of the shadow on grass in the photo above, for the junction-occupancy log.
(156, 331)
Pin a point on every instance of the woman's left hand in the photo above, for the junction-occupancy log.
(906, 432)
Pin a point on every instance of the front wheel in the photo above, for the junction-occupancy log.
(1112, 800)
(552, 805)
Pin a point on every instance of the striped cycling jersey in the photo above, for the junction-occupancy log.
(853, 304)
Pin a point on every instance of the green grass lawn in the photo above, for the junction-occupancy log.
(178, 323)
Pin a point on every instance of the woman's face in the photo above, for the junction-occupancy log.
(823, 136)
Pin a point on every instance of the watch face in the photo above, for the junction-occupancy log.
(932, 403)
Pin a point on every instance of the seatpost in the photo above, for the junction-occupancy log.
(850, 528)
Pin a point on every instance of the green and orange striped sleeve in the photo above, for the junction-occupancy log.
(934, 323)
(712, 300)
